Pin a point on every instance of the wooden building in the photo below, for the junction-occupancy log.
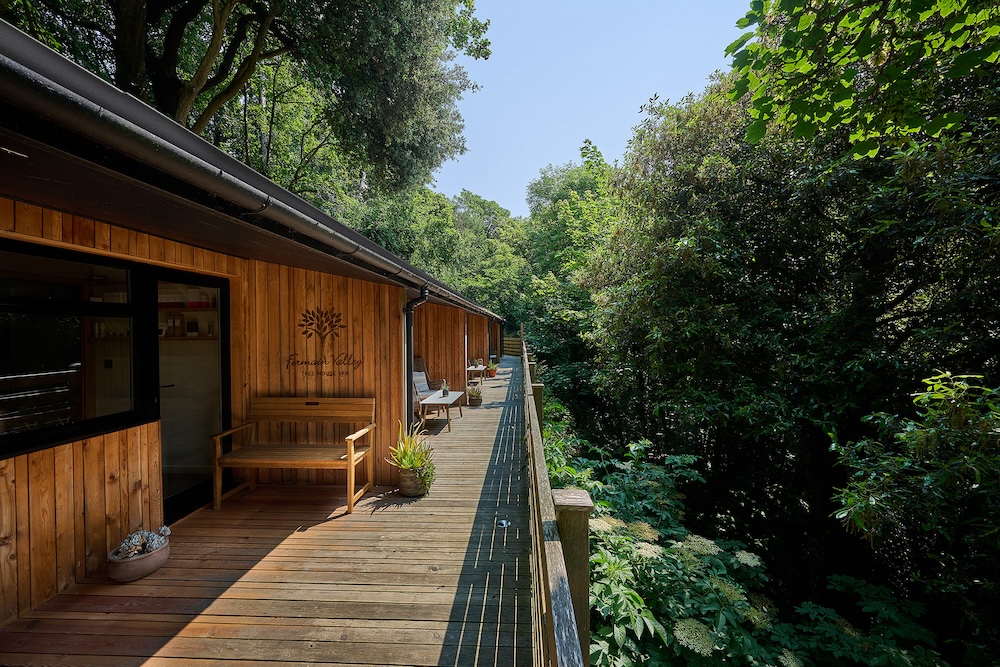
(150, 286)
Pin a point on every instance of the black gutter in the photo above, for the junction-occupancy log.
(408, 309)
(37, 79)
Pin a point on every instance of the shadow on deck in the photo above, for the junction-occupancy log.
(283, 576)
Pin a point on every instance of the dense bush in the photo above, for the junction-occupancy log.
(663, 595)
(926, 493)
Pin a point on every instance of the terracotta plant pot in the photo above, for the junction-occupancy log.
(137, 567)
(409, 483)
(491, 372)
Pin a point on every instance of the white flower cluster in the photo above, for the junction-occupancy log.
(700, 545)
(727, 589)
(789, 659)
(759, 618)
(694, 635)
(648, 550)
(643, 531)
(606, 524)
(848, 628)
(748, 559)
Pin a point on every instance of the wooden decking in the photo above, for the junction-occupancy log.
(283, 576)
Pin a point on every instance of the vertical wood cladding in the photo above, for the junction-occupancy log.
(317, 334)
(496, 339)
(439, 338)
(478, 337)
(61, 509)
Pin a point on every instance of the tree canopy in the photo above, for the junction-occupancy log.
(745, 301)
(382, 74)
(876, 67)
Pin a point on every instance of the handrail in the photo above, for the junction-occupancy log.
(557, 643)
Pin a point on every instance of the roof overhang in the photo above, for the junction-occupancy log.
(72, 142)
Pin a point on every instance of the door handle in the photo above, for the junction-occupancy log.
(164, 386)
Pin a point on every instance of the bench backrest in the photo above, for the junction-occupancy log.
(299, 409)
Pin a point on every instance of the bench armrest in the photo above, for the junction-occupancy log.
(354, 436)
(217, 438)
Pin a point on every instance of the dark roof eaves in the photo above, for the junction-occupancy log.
(76, 98)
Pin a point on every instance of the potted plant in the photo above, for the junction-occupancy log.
(140, 553)
(491, 369)
(415, 460)
(475, 393)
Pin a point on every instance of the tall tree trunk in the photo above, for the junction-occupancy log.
(130, 46)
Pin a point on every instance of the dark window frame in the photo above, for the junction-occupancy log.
(143, 311)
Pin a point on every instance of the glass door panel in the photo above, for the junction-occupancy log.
(190, 392)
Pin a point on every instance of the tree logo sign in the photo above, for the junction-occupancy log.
(321, 322)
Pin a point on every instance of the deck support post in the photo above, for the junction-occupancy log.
(573, 508)
(532, 370)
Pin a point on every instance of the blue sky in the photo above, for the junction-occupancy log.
(562, 72)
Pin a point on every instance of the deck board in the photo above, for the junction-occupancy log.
(282, 575)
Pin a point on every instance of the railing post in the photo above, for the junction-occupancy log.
(573, 508)
(536, 393)
(531, 370)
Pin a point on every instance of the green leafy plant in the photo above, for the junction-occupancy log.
(475, 391)
(662, 595)
(873, 67)
(924, 491)
(413, 453)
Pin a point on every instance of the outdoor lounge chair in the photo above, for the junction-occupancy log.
(422, 387)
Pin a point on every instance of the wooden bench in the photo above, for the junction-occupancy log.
(290, 409)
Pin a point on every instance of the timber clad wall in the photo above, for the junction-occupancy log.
(477, 327)
(314, 334)
(62, 508)
(439, 337)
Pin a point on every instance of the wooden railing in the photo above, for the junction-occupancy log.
(512, 345)
(561, 635)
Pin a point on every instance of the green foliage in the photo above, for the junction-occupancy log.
(279, 128)
(926, 492)
(570, 210)
(778, 292)
(413, 453)
(663, 595)
(872, 66)
(389, 83)
(739, 302)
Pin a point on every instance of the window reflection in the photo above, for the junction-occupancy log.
(65, 357)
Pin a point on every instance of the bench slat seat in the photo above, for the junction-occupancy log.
(333, 457)
(326, 456)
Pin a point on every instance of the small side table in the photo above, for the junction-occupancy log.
(472, 371)
(438, 399)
